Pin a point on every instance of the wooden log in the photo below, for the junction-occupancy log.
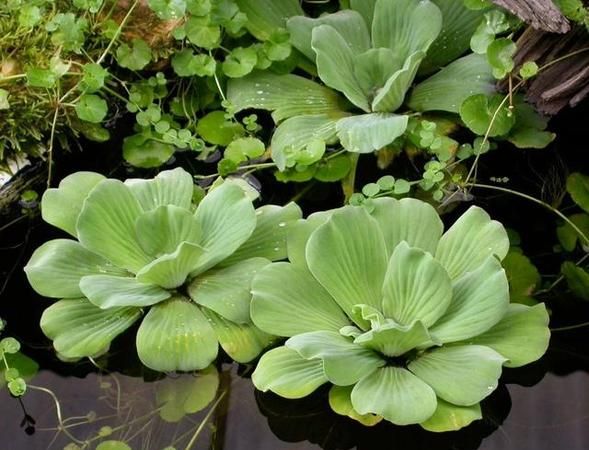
(540, 14)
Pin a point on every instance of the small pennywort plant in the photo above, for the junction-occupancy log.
(408, 323)
(144, 248)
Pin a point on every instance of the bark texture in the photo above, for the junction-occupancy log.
(540, 14)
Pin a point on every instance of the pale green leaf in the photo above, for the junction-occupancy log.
(374, 67)
(392, 339)
(61, 206)
(522, 336)
(577, 278)
(462, 375)
(79, 329)
(365, 8)
(113, 445)
(416, 287)
(451, 86)
(107, 291)
(470, 241)
(347, 255)
(227, 290)
(106, 225)
(341, 402)
(370, 132)
(176, 336)
(284, 372)
(449, 417)
(265, 16)
(298, 235)
(480, 300)
(409, 220)
(344, 362)
(281, 288)
(395, 394)
(170, 187)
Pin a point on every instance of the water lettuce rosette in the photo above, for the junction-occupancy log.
(408, 323)
(144, 247)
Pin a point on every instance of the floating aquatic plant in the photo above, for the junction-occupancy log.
(408, 323)
(144, 247)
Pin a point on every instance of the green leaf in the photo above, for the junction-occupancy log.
(215, 129)
(392, 339)
(89, 5)
(395, 394)
(29, 16)
(365, 8)
(170, 187)
(68, 31)
(281, 288)
(293, 137)
(176, 336)
(282, 95)
(299, 234)
(409, 220)
(449, 417)
(61, 206)
(577, 279)
(339, 253)
(243, 149)
(227, 291)
(106, 291)
(334, 169)
(79, 329)
(240, 62)
(142, 151)
(487, 115)
(91, 108)
(106, 225)
(370, 132)
(451, 86)
(405, 26)
(374, 67)
(4, 102)
(135, 57)
(42, 78)
(522, 336)
(462, 375)
(27, 368)
(55, 269)
(528, 70)
(344, 362)
(185, 395)
(341, 402)
(568, 237)
(228, 219)
(578, 188)
(186, 64)
(269, 237)
(416, 287)
(335, 64)
(93, 77)
(349, 24)
(202, 33)
(284, 372)
(161, 230)
(265, 16)
(500, 55)
(168, 9)
(113, 445)
(470, 241)
(480, 300)
(523, 277)
(243, 342)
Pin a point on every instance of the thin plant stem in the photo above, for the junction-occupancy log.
(204, 421)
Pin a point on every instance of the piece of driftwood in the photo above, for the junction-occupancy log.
(564, 78)
(32, 177)
(540, 14)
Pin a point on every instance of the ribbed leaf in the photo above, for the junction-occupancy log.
(299, 233)
(242, 342)
(480, 300)
(107, 291)
(470, 241)
(461, 375)
(374, 67)
(392, 339)
(365, 8)
(395, 394)
(370, 132)
(227, 290)
(284, 372)
(280, 289)
(522, 336)
(447, 89)
(106, 225)
(416, 287)
(79, 329)
(61, 207)
(347, 255)
(170, 187)
(265, 16)
(176, 336)
(344, 362)
(286, 95)
(409, 220)
(164, 228)
(341, 402)
(449, 417)
(55, 269)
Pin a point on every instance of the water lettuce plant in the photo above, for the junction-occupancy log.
(409, 323)
(144, 249)
(370, 53)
